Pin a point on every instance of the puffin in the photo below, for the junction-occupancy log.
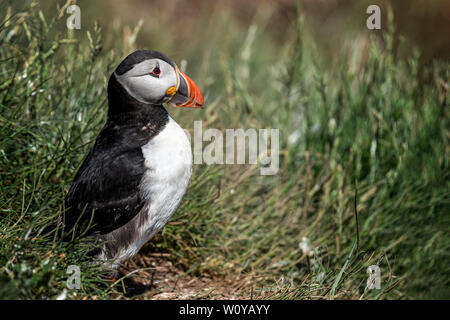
(136, 174)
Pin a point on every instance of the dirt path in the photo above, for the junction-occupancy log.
(163, 280)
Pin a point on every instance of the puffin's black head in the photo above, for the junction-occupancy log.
(151, 77)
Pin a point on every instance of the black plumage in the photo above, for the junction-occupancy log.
(139, 56)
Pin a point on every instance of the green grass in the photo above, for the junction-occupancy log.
(362, 124)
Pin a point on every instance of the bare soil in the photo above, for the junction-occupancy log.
(154, 276)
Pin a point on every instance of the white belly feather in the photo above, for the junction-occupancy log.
(168, 162)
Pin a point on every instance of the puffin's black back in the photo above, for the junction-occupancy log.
(105, 191)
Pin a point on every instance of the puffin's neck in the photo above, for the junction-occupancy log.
(124, 110)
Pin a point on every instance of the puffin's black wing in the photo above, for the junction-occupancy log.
(105, 192)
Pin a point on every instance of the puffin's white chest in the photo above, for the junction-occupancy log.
(168, 162)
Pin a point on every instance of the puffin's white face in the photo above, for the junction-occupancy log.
(149, 81)
(154, 81)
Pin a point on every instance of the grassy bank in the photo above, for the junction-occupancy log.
(361, 131)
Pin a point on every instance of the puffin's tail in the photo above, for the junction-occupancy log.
(55, 229)
(47, 231)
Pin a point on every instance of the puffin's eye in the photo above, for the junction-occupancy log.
(156, 71)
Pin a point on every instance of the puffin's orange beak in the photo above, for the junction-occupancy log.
(187, 95)
(195, 96)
